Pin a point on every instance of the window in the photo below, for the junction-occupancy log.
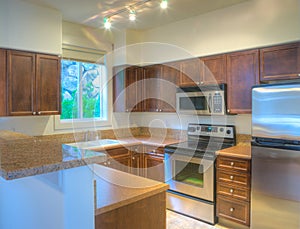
(83, 91)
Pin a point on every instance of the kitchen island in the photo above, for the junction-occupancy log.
(46, 184)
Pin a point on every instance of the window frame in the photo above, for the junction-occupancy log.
(60, 124)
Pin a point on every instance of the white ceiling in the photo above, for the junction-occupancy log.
(149, 15)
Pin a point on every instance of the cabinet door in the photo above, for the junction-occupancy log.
(168, 86)
(134, 89)
(242, 74)
(190, 72)
(280, 62)
(154, 167)
(214, 69)
(137, 160)
(3, 83)
(21, 83)
(152, 90)
(47, 84)
(119, 99)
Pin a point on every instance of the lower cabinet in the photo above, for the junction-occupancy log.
(140, 160)
(233, 189)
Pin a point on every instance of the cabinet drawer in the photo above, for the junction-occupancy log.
(233, 191)
(233, 164)
(137, 149)
(153, 150)
(232, 178)
(234, 210)
(118, 152)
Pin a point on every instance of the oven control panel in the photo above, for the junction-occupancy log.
(211, 130)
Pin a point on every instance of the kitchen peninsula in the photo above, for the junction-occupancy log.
(46, 184)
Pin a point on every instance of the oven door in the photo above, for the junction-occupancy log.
(191, 176)
(192, 103)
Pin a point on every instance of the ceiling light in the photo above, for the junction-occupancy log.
(164, 4)
(107, 23)
(132, 15)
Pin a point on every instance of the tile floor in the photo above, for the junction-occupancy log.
(178, 221)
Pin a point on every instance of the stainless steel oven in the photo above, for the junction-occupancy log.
(190, 170)
(204, 100)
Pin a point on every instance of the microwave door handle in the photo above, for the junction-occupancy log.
(209, 103)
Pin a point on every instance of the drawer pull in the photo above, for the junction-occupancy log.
(231, 209)
(231, 177)
(133, 158)
(232, 163)
(231, 190)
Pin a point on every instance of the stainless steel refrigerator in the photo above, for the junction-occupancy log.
(275, 193)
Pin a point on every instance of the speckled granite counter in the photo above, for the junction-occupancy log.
(28, 157)
(116, 189)
(241, 150)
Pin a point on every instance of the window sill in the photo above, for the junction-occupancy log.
(79, 124)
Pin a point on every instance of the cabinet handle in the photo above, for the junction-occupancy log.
(231, 177)
(197, 83)
(108, 162)
(39, 113)
(133, 158)
(156, 110)
(228, 110)
(127, 110)
(231, 190)
(160, 110)
(202, 83)
(299, 74)
(232, 164)
(34, 113)
(231, 209)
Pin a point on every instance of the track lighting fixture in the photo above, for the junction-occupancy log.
(132, 15)
(164, 4)
(107, 23)
(132, 11)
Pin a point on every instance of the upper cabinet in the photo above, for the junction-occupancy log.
(242, 74)
(280, 62)
(128, 90)
(33, 83)
(190, 72)
(134, 89)
(214, 69)
(203, 71)
(3, 82)
(48, 84)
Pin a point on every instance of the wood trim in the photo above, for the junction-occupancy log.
(3, 83)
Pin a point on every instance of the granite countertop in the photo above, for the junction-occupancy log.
(22, 155)
(239, 151)
(29, 156)
(115, 189)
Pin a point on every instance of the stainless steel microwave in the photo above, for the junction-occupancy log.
(203, 100)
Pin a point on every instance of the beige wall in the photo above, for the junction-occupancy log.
(253, 23)
(30, 27)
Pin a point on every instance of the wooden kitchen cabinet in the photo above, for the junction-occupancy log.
(128, 89)
(233, 189)
(134, 91)
(33, 83)
(118, 158)
(160, 87)
(242, 74)
(3, 83)
(154, 163)
(214, 69)
(190, 72)
(281, 62)
(137, 160)
(152, 89)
